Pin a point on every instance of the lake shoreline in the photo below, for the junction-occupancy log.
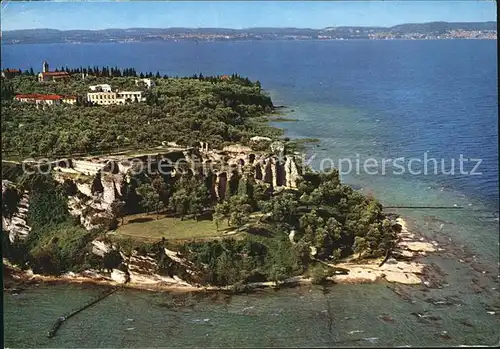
(404, 269)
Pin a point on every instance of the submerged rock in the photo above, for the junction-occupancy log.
(402, 278)
(418, 246)
(386, 318)
(444, 335)
(355, 331)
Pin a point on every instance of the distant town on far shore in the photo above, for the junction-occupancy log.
(418, 31)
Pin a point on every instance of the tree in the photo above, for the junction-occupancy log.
(112, 260)
(117, 209)
(222, 211)
(48, 205)
(360, 245)
(179, 202)
(239, 210)
(227, 192)
(46, 260)
(282, 210)
(161, 187)
(190, 197)
(10, 199)
(236, 211)
(150, 200)
(242, 186)
(319, 274)
(16, 252)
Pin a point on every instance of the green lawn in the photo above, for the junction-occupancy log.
(170, 228)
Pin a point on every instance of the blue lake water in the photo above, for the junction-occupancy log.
(361, 99)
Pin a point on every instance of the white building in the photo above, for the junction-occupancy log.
(104, 98)
(101, 88)
(122, 97)
(134, 96)
(69, 99)
(148, 82)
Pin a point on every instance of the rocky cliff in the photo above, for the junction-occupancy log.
(15, 223)
(144, 269)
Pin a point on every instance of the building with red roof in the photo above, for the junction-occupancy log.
(47, 75)
(10, 73)
(37, 98)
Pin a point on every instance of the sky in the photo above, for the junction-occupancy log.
(237, 14)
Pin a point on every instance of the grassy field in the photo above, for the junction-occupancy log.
(148, 228)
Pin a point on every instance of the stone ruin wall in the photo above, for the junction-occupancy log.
(105, 178)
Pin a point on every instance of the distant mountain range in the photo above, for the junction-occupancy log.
(414, 30)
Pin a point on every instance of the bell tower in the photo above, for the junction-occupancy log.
(45, 67)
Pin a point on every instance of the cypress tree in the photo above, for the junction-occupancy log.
(227, 193)
(242, 186)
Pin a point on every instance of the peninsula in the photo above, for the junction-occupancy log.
(155, 181)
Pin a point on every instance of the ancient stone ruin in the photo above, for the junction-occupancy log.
(98, 182)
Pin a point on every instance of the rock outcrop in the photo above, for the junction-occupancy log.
(260, 139)
(398, 269)
(119, 276)
(100, 248)
(144, 269)
(16, 225)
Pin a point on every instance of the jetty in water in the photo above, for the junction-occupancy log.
(52, 332)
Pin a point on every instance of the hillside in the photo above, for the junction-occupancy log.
(30, 36)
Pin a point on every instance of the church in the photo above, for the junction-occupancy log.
(47, 75)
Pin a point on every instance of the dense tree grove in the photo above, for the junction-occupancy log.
(327, 217)
(182, 110)
(190, 196)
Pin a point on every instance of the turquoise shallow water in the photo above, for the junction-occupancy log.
(376, 99)
(350, 134)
